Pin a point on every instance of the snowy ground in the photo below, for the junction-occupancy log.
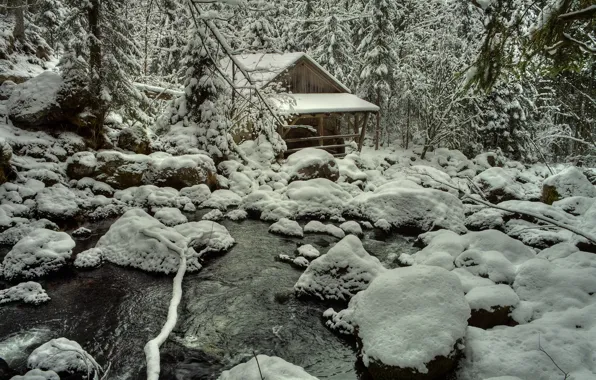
(545, 275)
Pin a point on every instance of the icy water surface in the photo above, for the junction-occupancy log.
(238, 304)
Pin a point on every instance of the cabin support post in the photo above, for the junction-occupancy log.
(363, 131)
(321, 129)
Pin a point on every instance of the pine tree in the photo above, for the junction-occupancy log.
(258, 31)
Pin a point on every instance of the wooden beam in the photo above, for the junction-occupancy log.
(320, 147)
(321, 129)
(322, 138)
(363, 131)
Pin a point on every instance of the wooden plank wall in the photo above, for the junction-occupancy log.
(306, 78)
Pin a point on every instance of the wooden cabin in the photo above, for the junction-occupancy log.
(322, 111)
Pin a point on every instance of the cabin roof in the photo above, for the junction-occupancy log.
(264, 68)
(323, 103)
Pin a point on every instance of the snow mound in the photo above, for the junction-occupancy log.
(170, 216)
(37, 254)
(341, 273)
(241, 184)
(315, 226)
(310, 163)
(13, 234)
(351, 227)
(499, 185)
(206, 236)
(490, 297)
(63, 356)
(90, 258)
(197, 193)
(410, 208)
(238, 214)
(37, 374)
(27, 292)
(308, 251)
(491, 264)
(222, 199)
(391, 336)
(317, 197)
(470, 281)
(287, 227)
(568, 183)
(130, 241)
(213, 215)
(57, 202)
(266, 367)
(30, 99)
(300, 262)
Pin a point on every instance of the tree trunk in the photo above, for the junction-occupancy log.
(378, 119)
(96, 74)
(19, 28)
(407, 126)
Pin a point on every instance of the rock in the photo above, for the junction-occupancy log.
(308, 251)
(120, 170)
(287, 227)
(6, 170)
(393, 344)
(6, 373)
(213, 215)
(266, 367)
(314, 226)
(351, 227)
(6, 89)
(300, 262)
(180, 171)
(170, 216)
(341, 273)
(499, 185)
(27, 292)
(135, 139)
(311, 163)
(57, 203)
(207, 236)
(38, 374)
(90, 258)
(491, 306)
(38, 254)
(568, 183)
(63, 356)
(81, 165)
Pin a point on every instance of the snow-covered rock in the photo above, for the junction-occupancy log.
(222, 199)
(214, 215)
(63, 356)
(37, 374)
(314, 226)
(197, 193)
(180, 171)
(410, 321)
(137, 239)
(12, 235)
(266, 367)
(341, 273)
(90, 258)
(491, 305)
(81, 232)
(207, 236)
(317, 197)
(41, 252)
(308, 251)
(57, 203)
(310, 163)
(407, 206)
(349, 170)
(237, 214)
(31, 102)
(300, 262)
(351, 227)
(170, 216)
(288, 227)
(135, 139)
(498, 185)
(241, 184)
(81, 165)
(568, 183)
(27, 292)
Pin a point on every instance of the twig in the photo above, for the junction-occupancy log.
(258, 365)
(551, 359)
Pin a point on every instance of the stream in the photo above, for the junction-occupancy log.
(240, 303)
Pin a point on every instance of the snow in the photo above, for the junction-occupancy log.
(81, 231)
(408, 206)
(491, 264)
(40, 252)
(170, 216)
(90, 258)
(317, 197)
(237, 214)
(490, 297)
(301, 262)
(266, 367)
(61, 355)
(197, 193)
(351, 227)
(317, 227)
(27, 292)
(206, 236)
(241, 184)
(571, 182)
(222, 199)
(12, 235)
(129, 242)
(213, 215)
(309, 163)
(470, 281)
(308, 251)
(409, 316)
(35, 95)
(341, 273)
(499, 185)
(57, 202)
(37, 374)
(285, 226)
(322, 103)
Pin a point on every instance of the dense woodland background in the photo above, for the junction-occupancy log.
(477, 75)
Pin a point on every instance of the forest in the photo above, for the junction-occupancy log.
(298, 189)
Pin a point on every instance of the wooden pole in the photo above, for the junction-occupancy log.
(321, 129)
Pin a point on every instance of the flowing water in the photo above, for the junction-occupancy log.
(239, 304)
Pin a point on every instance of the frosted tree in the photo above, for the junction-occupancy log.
(258, 30)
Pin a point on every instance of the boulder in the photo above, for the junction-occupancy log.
(27, 292)
(491, 306)
(178, 172)
(37, 374)
(65, 357)
(120, 170)
(499, 185)
(6, 89)
(287, 227)
(393, 344)
(266, 367)
(311, 163)
(81, 165)
(135, 139)
(6, 373)
(568, 183)
(6, 170)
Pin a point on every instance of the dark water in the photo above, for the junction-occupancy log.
(240, 303)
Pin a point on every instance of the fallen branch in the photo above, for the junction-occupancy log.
(566, 374)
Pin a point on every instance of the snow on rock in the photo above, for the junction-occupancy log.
(410, 320)
(310, 163)
(37, 374)
(568, 183)
(241, 184)
(62, 356)
(308, 251)
(31, 101)
(575, 205)
(57, 203)
(491, 264)
(237, 214)
(300, 262)
(149, 196)
(189, 207)
(349, 170)
(499, 185)
(81, 165)
(12, 235)
(341, 273)
(351, 227)
(178, 172)
(409, 207)
(81, 232)
(287, 227)
(197, 193)
(95, 186)
(91, 258)
(170, 216)
(317, 197)
(491, 297)
(266, 367)
(130, 241)
(315, 226)
(222, 199)
(27, 292)
(470, 281)
(214, 215)
(206, 236)
(41, 252)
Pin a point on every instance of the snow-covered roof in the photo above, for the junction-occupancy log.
(324, 103)
(263, 68)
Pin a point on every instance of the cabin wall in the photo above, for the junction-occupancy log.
(307, 78)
